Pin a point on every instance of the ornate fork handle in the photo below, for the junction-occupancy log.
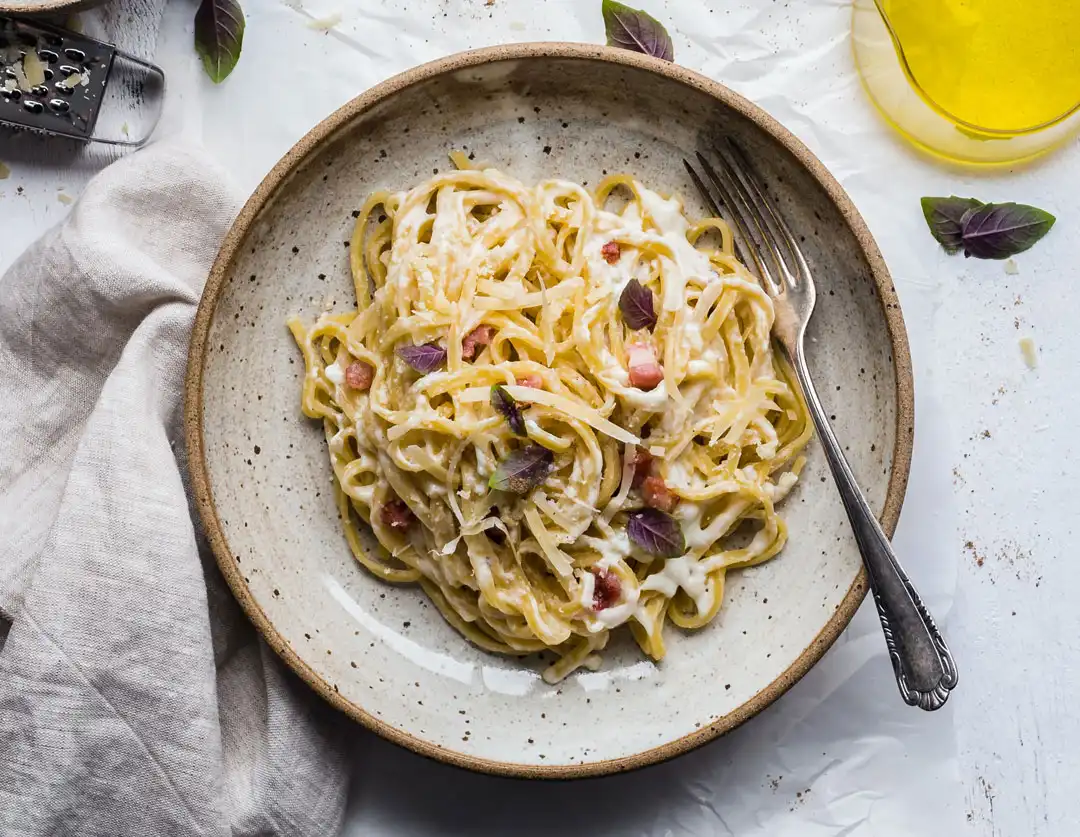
(924, 666)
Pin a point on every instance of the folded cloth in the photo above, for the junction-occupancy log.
(135, 699)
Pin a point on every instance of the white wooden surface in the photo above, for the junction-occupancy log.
(1006, 434)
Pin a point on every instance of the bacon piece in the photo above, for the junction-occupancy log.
(475, 341)
(606, 589)
(655, 493)
(645, 370)
(611, 252)
(359, 375)
(532, 381)
(396, 515)
(642, 461)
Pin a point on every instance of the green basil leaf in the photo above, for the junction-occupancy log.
(637, 31)
(219, 36)
(944, 215)
(504, 404)
(523, 470)
(1001, 230)
(656, 532)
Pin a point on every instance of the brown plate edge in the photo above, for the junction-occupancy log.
(324, 131)
(51, 7)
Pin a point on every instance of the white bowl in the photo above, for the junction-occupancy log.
(382, 653)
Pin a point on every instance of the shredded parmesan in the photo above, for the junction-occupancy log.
(34, 69)
(20, 77)
(559, 560)
(574, 410)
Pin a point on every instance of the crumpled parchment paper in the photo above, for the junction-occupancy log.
(840, 755)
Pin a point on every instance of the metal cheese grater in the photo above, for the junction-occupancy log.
(62, 83)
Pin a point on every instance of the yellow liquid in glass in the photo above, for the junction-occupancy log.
(1003, 65)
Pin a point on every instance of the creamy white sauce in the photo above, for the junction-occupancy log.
(698, 367)
(335, 374)
(692, 339)
(654, 400)
(783, 486)
(767, 450)
(484, 466)
(588, 589)
(613, 550)
(612, 369)
(364, 493)
(684, 572)
(471, 484)
(612, 617)
(688, 262)
(482, 571)
(678, 475)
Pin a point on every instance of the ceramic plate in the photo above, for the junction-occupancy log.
(382, 653)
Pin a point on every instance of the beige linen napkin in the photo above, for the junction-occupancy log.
(135, 699)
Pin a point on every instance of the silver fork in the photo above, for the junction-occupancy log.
(922, 662)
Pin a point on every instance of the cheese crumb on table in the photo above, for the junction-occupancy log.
(325, 24)
(1011, 267)
(1029, 352)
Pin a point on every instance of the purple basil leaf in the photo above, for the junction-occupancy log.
(504, 404)
(945, 216)
(656, 532)
(523, 470)
(636, 305)
(424, 358)
(1001, 230)
(637, 31)
(219, 36)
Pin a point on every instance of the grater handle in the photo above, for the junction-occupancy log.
(132, 102)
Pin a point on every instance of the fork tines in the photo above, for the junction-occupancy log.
(760, 232)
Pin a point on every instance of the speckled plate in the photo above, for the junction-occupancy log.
(382, 653)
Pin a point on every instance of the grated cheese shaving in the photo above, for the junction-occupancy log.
(325, 24)
(20, 77)
(1029, 352)
(34, 69)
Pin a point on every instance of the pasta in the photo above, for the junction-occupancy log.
(558, 410)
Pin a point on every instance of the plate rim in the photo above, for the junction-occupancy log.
(326, 131)
(50, 7)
